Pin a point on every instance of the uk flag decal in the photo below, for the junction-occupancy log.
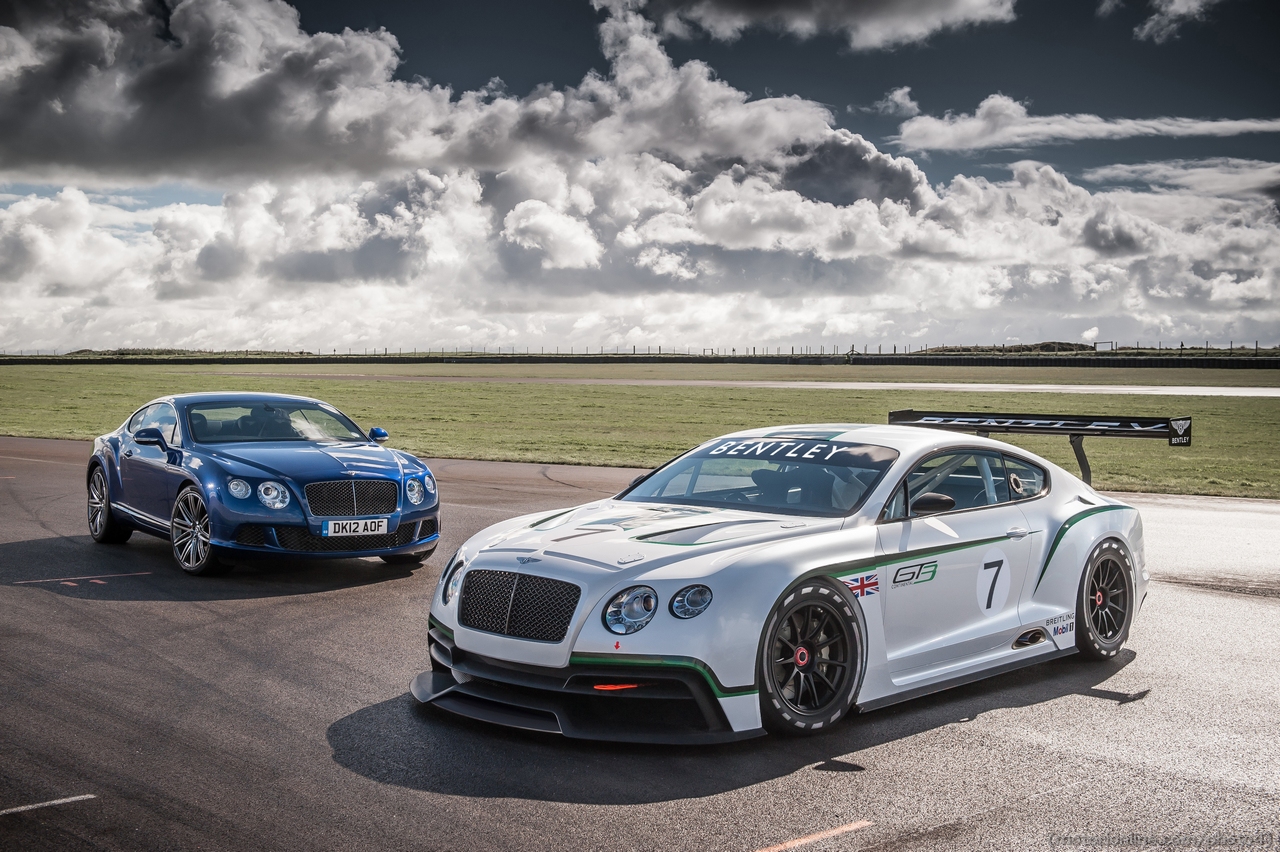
(863, 584)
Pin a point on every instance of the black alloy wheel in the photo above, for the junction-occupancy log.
(104, 526)
(1104, 610)
(189, 534)
(812, 660)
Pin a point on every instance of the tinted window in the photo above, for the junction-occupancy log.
(1025, 480)
(795, 475)
(221, 422)
(160, 416)
(972, 479)
(135, 422)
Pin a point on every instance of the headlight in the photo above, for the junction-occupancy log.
(273, 495)
(413, 488)
(451, 579)
(429, 482)
(630, 610)
(691, 601)
(239, 488)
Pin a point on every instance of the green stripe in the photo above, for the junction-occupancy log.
(720, 690)
(1062, 531)
(861, 566)
(432, 622)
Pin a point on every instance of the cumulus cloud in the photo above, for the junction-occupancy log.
(654, 204)
(1169, 15)
(867, 24)
(1002, 122)
(1220, 176)
(898, 102)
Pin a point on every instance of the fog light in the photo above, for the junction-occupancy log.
(630, 610)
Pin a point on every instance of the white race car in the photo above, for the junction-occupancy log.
(781, 579)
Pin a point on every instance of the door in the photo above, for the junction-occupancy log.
(144, 469)
(953, 579)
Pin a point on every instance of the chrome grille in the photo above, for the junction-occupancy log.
(346, 498)
(519, 605)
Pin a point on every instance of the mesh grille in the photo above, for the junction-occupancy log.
(352, 497)
(519, 605)
(301, 539)
(252, 535)
(429, 528)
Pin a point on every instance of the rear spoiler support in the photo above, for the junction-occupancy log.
(1176, 430)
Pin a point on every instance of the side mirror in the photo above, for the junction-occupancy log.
(932, 503)
(641, 478)
(150, 437)
(378, 434)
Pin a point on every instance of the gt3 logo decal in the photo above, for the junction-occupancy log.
(910, 575)
(862, 585)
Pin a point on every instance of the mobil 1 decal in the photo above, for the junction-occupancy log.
(994, 579)
(1061, 625)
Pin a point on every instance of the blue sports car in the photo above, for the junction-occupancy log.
(217, 473)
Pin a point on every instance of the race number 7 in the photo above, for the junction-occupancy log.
(994, 579)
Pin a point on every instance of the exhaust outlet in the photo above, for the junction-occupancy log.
(1031, 637)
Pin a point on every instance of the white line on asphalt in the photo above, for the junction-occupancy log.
(93, 577)
(814, 838)
(42, 461)
(65, 801)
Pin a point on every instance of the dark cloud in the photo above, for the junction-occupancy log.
(845, 168)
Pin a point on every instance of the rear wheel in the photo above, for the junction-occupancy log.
(811, 660)
(189, 533)
(104, 526)
(1104, 606)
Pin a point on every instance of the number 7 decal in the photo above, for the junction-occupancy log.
(987, 567)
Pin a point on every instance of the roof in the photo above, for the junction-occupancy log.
(234, 396)
(905, 439)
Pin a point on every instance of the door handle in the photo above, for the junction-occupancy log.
(1016, 532)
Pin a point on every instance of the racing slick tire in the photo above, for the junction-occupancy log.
(189, 535)
(810, 660)
(104, 526)
(1105, 603)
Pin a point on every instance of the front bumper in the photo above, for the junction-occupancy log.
(411, 536)
(658, 705)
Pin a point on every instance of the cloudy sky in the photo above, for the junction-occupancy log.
(685, 173)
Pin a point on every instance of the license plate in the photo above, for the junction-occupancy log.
(335, 529)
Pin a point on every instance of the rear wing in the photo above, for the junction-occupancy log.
(1176, 430)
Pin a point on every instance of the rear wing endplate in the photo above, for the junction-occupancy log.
(1176, 430)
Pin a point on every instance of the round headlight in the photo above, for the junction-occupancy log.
(691, 601)
(452, 579)
(239, 488)
(429, 482)
(630, 610)
(413, 488)
(273, 495)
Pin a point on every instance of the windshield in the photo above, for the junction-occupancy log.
(222, 422)
(802, 476)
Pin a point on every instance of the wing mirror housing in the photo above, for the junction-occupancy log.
(379, 434)
(641, 478)
(932, 503)
(150, 436)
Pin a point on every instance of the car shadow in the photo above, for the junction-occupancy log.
(143, 570)
(401, 742)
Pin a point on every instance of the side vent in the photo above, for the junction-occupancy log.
(1031, 637)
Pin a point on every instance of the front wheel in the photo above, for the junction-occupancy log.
(189, 533)
(811, 660)
(104, 526)
(1104, 606)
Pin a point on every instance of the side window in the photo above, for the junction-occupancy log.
(135, 422)
(971, 479)
(1025, 480)
(896, 508)
(161, 416)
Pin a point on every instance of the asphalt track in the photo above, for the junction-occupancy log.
(270, 710)
(959, 387)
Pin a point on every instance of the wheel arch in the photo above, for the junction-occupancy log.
(1055, 581)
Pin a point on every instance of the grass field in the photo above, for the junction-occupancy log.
(1235, 451)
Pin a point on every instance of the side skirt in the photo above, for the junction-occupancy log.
(962, 680)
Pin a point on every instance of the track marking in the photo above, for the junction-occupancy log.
(65, 801)
(42, 461)
(68, 579)
(814, 838)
